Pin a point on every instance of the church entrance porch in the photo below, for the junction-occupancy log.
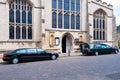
(66, 43)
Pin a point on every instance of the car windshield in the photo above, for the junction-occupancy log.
(9, 52)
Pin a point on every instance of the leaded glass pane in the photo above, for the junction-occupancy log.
(11, 32)
(54, 2)
(23, 17)
(72, 5)
(66, 4)
(78, 8)
(23, 32)
(54, 20)
(29, 18)
(77, 22)
(59, 4)
(78, 5)
(17, 32)
(66, 21)
(17, 16)
(11, 15)
(60, 21)
(72, 21)
(29, 33)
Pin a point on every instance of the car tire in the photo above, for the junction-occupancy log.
(15, 60)
(53, 57)
(116, 52)
(96, 53)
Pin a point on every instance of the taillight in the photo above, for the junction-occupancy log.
(4, 55)
(88, 50)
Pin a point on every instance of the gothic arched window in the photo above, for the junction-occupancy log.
(20, 17)
(99, 25)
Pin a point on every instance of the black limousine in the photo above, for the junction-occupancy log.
(21, 54)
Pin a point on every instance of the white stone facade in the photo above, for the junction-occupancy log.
(43, 31)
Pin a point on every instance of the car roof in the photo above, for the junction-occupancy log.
(28, 48)
(98, 43)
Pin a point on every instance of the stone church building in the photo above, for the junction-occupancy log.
(56, 25)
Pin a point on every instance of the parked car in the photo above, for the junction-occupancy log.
(97, 48)
(21, 54)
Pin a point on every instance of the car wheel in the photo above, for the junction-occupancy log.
(53, 57)
(15, 60)
(96, 53)
(116, 52)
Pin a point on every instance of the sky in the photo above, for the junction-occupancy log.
(116, 6)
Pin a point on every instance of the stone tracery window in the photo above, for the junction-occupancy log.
(66, 14)
(20, 20)
(99, 25)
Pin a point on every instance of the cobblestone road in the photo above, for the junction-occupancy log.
(102, 67)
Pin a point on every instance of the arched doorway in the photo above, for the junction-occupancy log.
(66, 43)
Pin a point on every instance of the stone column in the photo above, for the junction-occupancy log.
(37, 23)
(84, 20)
